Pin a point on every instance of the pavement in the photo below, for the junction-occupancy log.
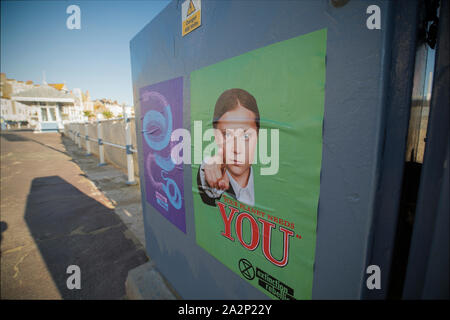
(59, 209)
(111, 181)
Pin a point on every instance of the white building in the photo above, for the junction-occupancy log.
(114, 107)
(50, 104)
(15, 111)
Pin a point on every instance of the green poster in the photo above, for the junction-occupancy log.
(256, 128)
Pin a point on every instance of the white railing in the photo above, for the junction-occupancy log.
(73, 130)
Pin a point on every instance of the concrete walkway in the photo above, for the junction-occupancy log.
(143, 282)
(111, 181)
(53, 216)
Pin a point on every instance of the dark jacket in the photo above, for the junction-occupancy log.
(207, 199)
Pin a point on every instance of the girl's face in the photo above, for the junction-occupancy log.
(237, 135)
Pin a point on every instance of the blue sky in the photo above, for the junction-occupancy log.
(34, 38)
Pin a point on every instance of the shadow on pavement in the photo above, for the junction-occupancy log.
(3, 227)
(18, 138)
(71, 228)
(13, 137)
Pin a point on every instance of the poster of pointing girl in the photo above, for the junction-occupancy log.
(256, 190)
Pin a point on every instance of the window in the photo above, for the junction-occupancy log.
(52, 114)
(44, 114)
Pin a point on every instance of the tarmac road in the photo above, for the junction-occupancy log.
(52, 217)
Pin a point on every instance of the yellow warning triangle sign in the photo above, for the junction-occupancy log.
(191, 8)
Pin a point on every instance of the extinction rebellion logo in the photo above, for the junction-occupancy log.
(247, 270)
(266, 281)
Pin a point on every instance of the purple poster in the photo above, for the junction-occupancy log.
(162, 113)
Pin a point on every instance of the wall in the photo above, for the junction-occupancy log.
(357, 73)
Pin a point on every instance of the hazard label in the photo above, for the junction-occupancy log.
(191, 17)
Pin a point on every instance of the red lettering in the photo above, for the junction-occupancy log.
(267, 235)
(255, 231)
(227, 220)
(267, 227)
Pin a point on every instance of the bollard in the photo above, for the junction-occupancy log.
(88, 143)
(130, 164)
(100, 145)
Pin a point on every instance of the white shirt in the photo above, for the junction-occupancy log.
(245, 195)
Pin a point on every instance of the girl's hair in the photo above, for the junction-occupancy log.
(231, 99)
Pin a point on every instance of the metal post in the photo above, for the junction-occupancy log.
(130, 164)
(100, 144)
(88, 143)
(79, 135)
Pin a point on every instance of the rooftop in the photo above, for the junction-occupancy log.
(44, 93)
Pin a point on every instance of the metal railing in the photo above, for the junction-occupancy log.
(77, 136)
